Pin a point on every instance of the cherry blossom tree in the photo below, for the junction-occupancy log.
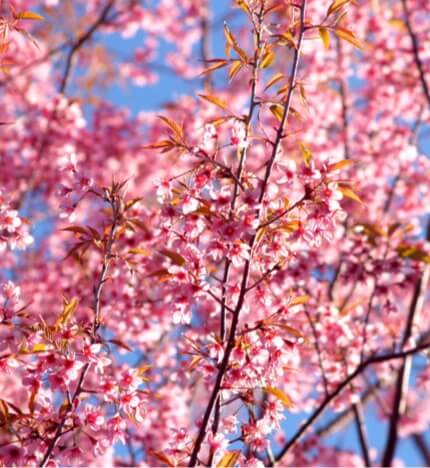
(235, 276)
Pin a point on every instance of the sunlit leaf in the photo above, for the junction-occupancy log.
(214, 66)
(28, 15)
(280, 395)
(215, 100)
(278, 111)
(336, 5)
(176, 128)
(69, 308)
(234, 69)
(298, 300)
(120, 344)
(414, 253)
(268, 59)
(325, 36)
(349, 193)
(340, 165)
(306, 154)
(349, 36)
(138, 251)
(163, 458)
(176, 258)
(229, 459)
(274, 80)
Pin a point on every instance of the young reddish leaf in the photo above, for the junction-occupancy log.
(340, 165)
(325, 36)
(336, 5)
(278, 111)
(120, 344)
(229, 459)
(176, 258)
(138, 251)
(163, 458)
(232, 43)
(214, 100)
(306, 154)
(280, 395)
(69, 308)
(177, 129)
(268, 59)
(244, 6)
(234, 69)
(414, 253)
(299, 300)
(215, 66)
(274, 80)
(76, 229)
(349, 36)
(28, 15)
(349, 193)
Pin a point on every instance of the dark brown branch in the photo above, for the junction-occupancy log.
(244, 283)
(402, 382)
(419, 293)
(348, 380)
(96, 324)
(82, 40)
(420, 442)
(360, 425)
(415, 51)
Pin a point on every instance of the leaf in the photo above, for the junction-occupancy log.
(280, 395)
(231, 42)
(299, 300)
(414, 253)
(325, 37)
(234, 69)
(215, 66)
(138, 251)
(398, 24)
(120, 344)
(176, 258)
(268, 59)
(229, 459)
(28, 15)
(273, 80)
(244, 6)
(290, 226)
(278, 111)
(349, 36)
(336, 5)
(214, 100)
(4, 412)
(349, 193)
(32, 399)
(69, 308)
(39, 348)
(76, 230)
(286, 38)
(292, 331)
(340, 165)
(176, 128)
(306, 154)
(162, 457)
(165, 145)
